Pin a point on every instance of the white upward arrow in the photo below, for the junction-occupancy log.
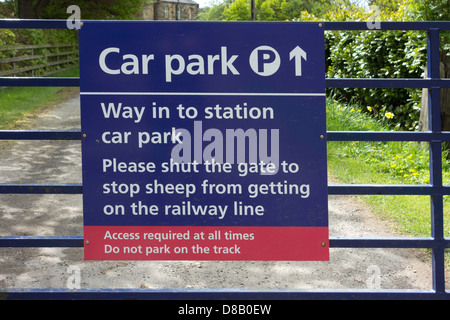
(297, 54)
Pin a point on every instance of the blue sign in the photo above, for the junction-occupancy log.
(210, 137)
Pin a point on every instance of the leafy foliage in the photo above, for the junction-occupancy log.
(102, 10)
(363, 54)
(266, 10)
(386, 54)
(7, 37)
(433, 10)
(215, 11)
(238, 10)
(56, 9)
(7, 9)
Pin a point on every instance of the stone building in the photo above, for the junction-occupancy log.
(171, 10)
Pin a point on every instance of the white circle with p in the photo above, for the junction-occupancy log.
(265, 61)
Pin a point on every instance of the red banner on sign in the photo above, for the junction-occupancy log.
(206, 243)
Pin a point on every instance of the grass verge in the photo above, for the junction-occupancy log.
(359, 162)
(17, 104)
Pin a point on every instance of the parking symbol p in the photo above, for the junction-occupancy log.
(265, 61)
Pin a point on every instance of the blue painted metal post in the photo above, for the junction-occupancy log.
(437, 206)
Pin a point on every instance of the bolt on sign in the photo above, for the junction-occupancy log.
(203, 141)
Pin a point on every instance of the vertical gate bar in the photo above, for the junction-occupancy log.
(437, 205)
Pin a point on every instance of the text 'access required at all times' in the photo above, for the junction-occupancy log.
(203, 141)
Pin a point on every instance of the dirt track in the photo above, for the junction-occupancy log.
(47, 215)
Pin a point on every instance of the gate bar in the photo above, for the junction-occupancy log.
(219, 294)
(336, 189)
(328, 25)
(398, 83)
(331, 135)
(335, 242)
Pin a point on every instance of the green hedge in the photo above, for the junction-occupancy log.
(376, 54)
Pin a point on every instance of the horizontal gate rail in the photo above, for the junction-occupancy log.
(330, 83)
(353, 189)
(335, 242)
(358, 189)
(436, 190)
(219, 294)
(39, 81)
(387, 136)
(44, 242)
(35, 188)
(387, 83)
(40, 135)
(331, 135)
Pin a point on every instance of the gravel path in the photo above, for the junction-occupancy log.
(46, 215)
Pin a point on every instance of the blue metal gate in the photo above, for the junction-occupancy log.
(436, 190)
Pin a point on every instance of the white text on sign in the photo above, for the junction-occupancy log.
(263, 60)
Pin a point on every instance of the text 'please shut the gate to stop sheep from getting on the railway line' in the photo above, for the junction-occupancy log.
(203, 147)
